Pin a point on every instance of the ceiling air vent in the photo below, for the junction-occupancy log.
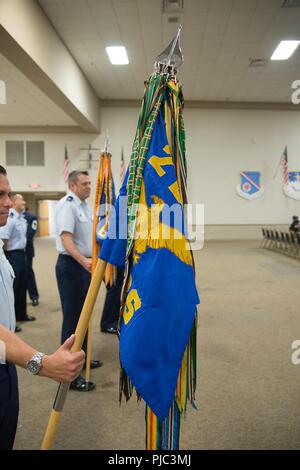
(257, 62)
(170, 6)
(291, 4)
(173, 19)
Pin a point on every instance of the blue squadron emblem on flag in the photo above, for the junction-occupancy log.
(292, 188)
(250, 186)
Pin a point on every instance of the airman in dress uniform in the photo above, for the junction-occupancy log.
(63, 365)
(73, 227)
(29, 250)
(14, 238)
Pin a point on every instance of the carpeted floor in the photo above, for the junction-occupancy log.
(248, 389)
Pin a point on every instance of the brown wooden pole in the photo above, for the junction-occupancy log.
(80, 333)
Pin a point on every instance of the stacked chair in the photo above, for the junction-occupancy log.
(287, 243)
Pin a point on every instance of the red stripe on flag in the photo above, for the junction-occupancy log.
(66, 167)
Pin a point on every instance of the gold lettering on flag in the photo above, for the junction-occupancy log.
(158, 162)
(133, 303)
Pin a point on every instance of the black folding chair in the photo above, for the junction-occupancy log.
(269, 239)
(297, 236)
(273, 240)
(278, 240)
(289, 244)
(294, 245)
(264, 240)
(283, 242)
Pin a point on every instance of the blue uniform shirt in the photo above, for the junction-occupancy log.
(7, 309)
(14, 231)
(74, 216)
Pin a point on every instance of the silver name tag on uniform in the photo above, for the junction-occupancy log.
(83, 217)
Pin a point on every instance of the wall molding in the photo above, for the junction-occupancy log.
(42, 130)
(237, 105)
(216, 232)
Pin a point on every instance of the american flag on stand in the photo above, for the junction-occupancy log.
(122, 167)
(285, 166)
(66, 169)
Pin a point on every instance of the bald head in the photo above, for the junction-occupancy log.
(19, 202)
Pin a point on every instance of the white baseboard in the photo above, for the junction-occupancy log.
(238, 232)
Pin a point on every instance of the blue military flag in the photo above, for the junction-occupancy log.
(106, 204)
(113, 249)
(147, 234)
(161, 295)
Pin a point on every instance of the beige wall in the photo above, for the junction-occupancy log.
(220, 144)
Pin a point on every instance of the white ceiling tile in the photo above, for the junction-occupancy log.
(225, 5)
(246, 5)
(218, 16)
(271, 4)
(197, 20)
(283, 30)
(127, 21)
(196, 5)
(240, 16)
(125, 8)
(219, 37)
(149, 8)
(235, 32)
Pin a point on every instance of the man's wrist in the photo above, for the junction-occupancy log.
(82, 260)
(43, 372)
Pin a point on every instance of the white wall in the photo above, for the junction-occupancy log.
(220, 144)
(51, 210)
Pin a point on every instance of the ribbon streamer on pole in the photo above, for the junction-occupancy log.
(104, 199)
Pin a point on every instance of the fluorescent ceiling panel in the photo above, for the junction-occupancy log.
(117, 55)
(284, 50)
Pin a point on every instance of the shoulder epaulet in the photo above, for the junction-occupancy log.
(70, 198)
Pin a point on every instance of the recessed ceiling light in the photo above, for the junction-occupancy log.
(284, 50)
(172, 5)
(117, 55)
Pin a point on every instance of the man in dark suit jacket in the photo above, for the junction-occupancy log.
(295, 226)
(31, 231)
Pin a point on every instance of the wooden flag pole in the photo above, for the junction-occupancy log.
(80, 333)
(95, 252)
(88, 352)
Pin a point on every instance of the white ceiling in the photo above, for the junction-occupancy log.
(25, 103)
(219, 37)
